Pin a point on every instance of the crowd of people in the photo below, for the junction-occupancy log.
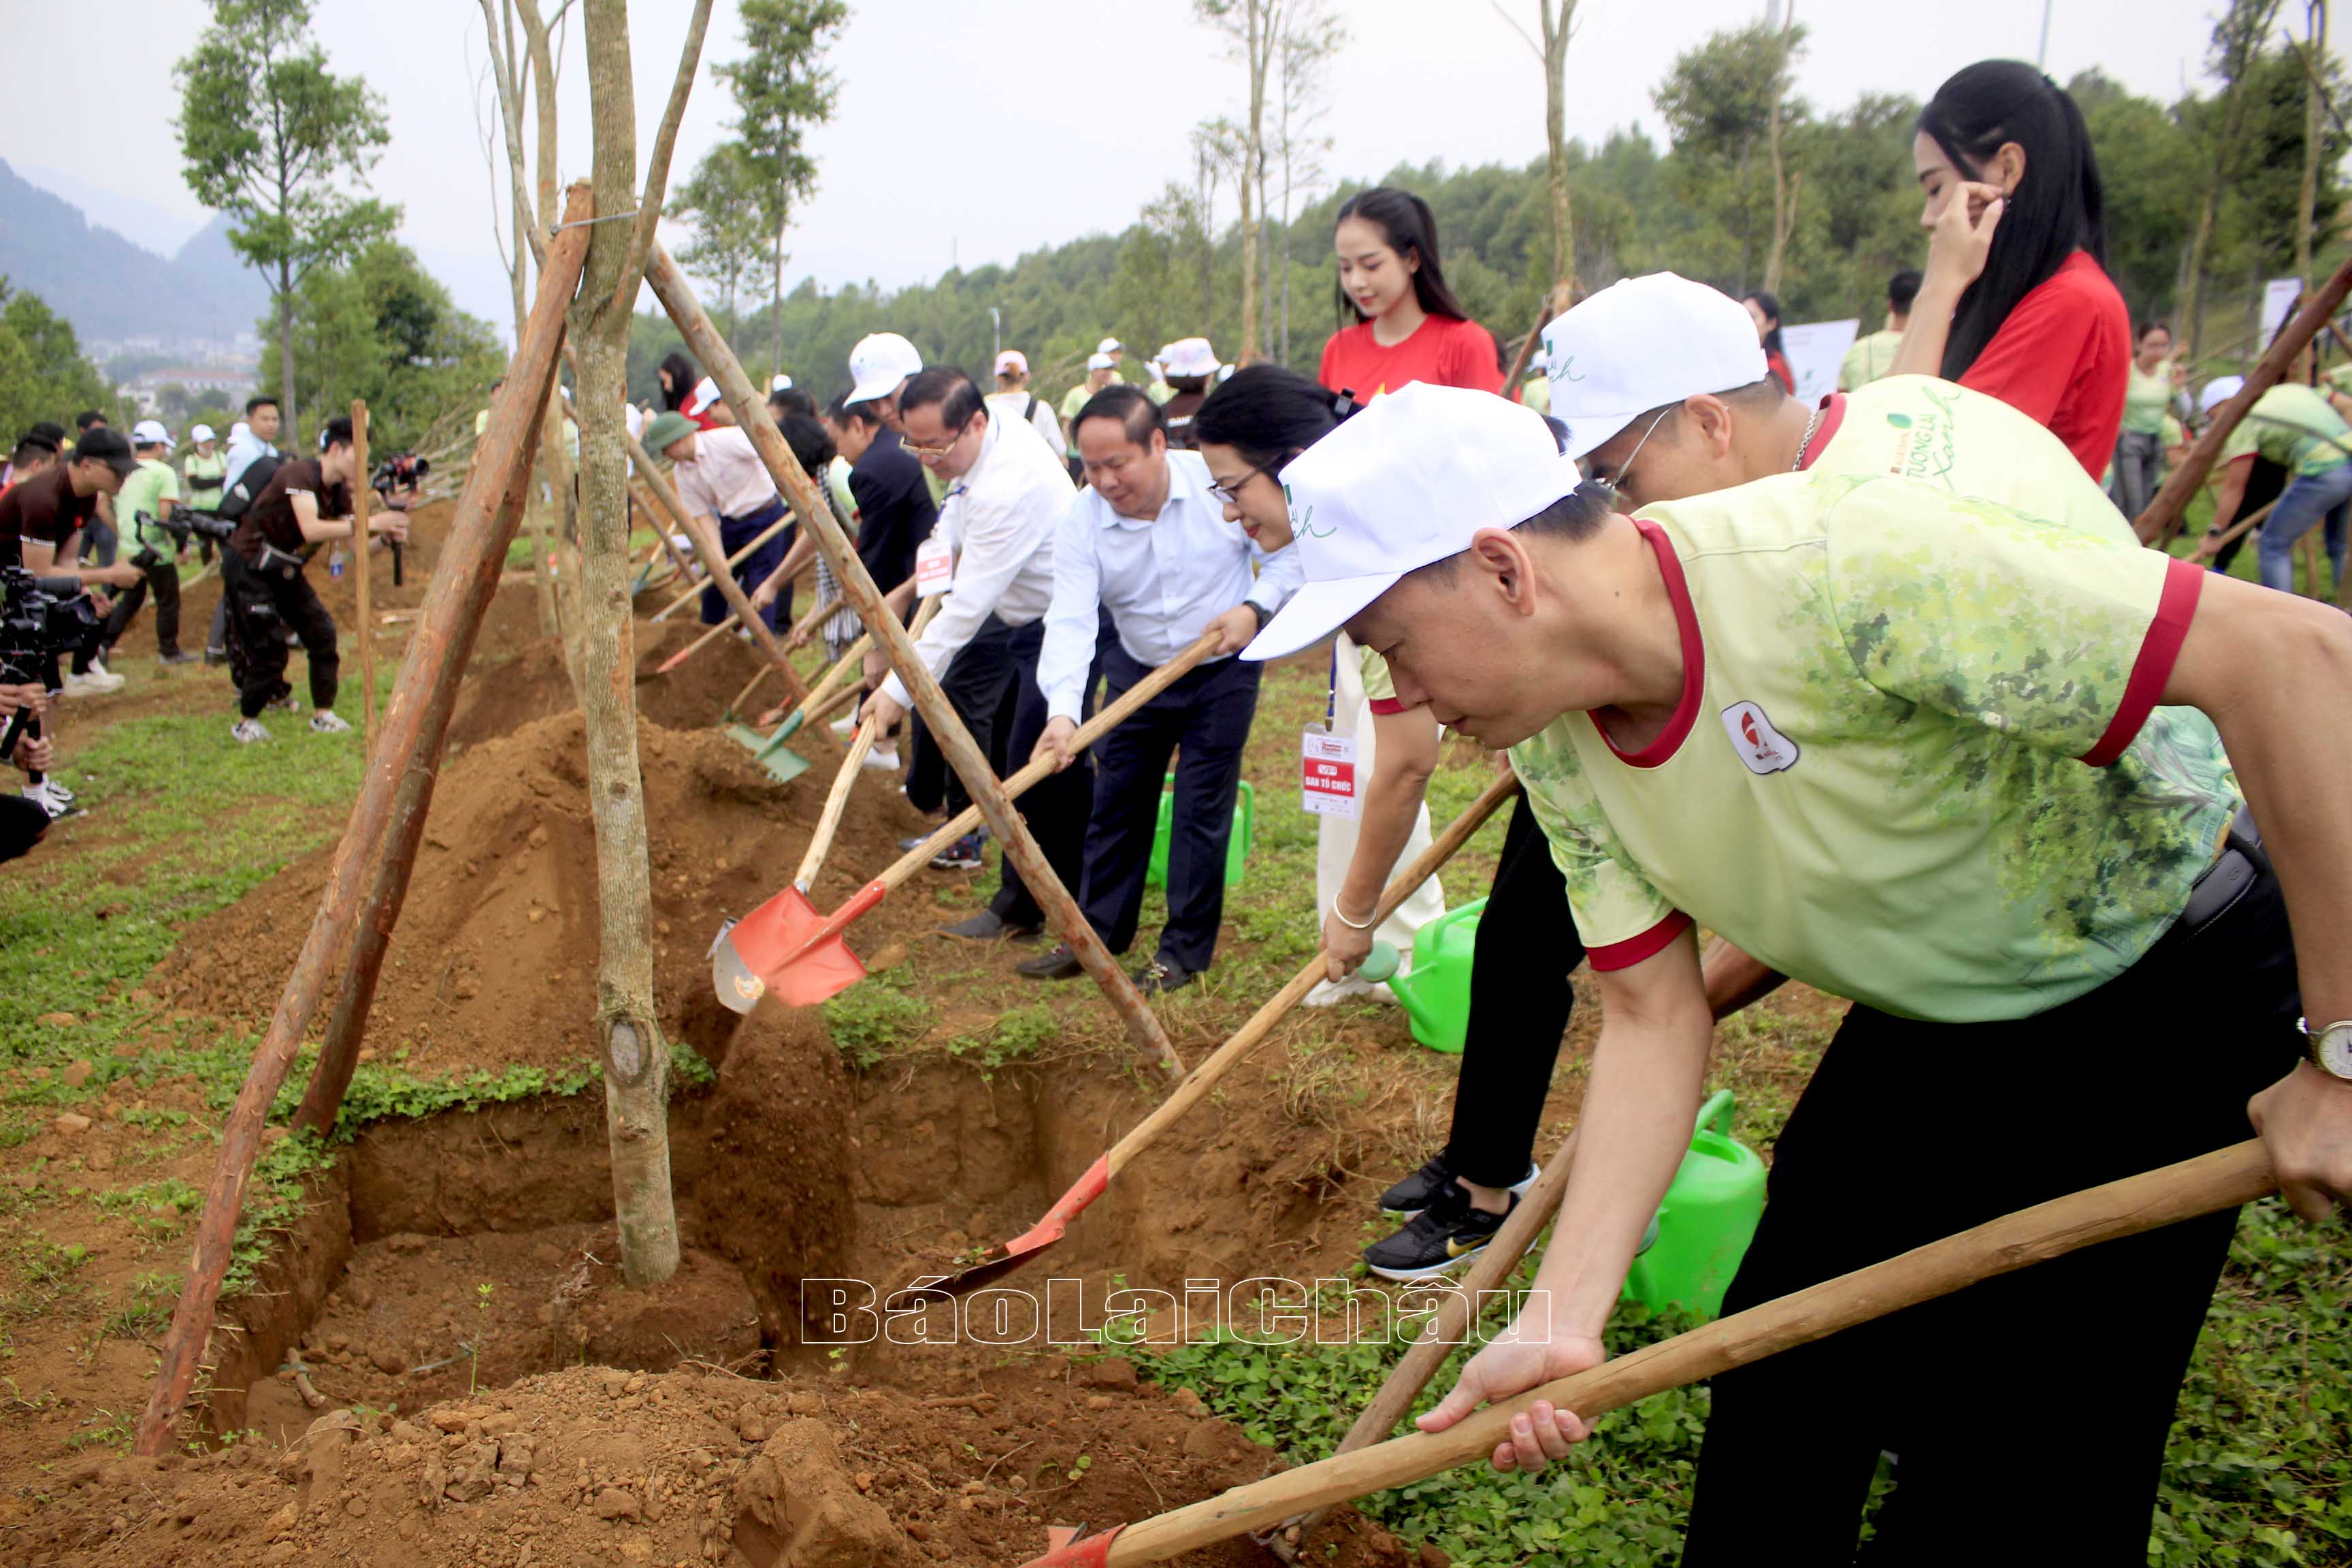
(1885, 692)
(110, 521)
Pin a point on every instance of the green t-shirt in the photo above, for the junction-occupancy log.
(1536, 392)
(1074, 400)
(146, 492)
(1870, 358)
(1877, 779)
(202, 475)
(2295, 428)
(2148, 398)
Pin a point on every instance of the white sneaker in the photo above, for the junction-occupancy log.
(841, 727)
(51, 797)
(326, 721)
(880, 757)
(249, 730)
(97, 683)
(98, 668)
(1326, 994)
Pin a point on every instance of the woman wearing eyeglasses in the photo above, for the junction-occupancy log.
(1519, 995)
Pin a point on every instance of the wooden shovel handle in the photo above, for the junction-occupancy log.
(1202, 1079)
(1093, 729)
(2220, 1180)
(836, 799)
(732, 561)
(711, 635)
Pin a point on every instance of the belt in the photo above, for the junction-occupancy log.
(2236, 871)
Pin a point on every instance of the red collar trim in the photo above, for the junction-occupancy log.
(1833, 415)
(1658, 752)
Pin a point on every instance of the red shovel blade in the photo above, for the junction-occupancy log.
(782, 949)
(1012, 1254)
(1067, 1552)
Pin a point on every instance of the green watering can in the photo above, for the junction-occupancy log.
(1703, 1227)
(1237, 848)
(1436, 994)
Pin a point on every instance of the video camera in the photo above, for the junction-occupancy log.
(181, 520)
(41, 619)
(401, 471)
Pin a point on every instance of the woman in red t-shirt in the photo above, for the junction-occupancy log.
(2016, 301)
(1764, 309)
(1408, 326)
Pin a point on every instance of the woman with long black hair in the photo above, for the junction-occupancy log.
(1408, 326)
(1764, 309)
(1520, 996)
(2016, 300)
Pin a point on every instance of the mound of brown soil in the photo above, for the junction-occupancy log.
(593, 1465)
(493, 962)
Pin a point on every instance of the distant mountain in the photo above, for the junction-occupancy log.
(110, 288)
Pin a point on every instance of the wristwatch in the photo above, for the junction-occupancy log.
(2329, 1047)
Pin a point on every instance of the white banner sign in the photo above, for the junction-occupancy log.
(1815, 350)
(2279, 296)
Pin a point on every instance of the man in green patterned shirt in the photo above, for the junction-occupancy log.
(1964, 764)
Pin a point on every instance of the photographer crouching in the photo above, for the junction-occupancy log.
(307, 502)
(42, 621)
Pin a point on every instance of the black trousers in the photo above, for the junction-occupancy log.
(1519, 1004)
(976, 684)
(1910, 1131)
(1207, 716)
(734, 533)
(1056, 808)
(164, 578)
(260, 602)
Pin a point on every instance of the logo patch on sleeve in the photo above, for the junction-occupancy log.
(1764, 749)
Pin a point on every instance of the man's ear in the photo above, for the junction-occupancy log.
(1713, 418)
(1500, 558)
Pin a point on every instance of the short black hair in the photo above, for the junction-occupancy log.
(808, 440)
(1574, 517)
(1269, 414)
(88, 417)
(792, 400)
(1901, 289)
(1136, 412)
(29, 450)
(257, 401)
(1759, 396)
(841, 411)
(48, 431)
(952, 389)
(337, 433)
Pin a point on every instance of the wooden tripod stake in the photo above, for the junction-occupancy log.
(362, 494)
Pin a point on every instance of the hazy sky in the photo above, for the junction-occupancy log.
(980, 130)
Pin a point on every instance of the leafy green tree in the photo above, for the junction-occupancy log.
(720, 209)
(2146, 167)
(267, 133)
(782, 87)
(43, 372)
(1723, 104)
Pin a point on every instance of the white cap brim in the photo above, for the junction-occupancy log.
(867, 391)
(1591, 430)
(1316, 611)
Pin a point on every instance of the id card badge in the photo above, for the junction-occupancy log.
(1328, 773)
(934, 567)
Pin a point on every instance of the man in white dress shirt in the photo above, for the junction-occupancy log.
(1146, 542)
(1006, 493)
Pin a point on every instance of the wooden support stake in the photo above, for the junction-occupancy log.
(468, 575)
(734, 560)
(2157, 525)
(362, 494)
(714, 561)
(963, 755)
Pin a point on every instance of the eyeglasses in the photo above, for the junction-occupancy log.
(1616, 486)
(1231, 493)
(933, 454)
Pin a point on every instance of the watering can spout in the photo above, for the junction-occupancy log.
(1379, 967)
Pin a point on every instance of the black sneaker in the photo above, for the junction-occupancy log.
(1059, 965)
(175, 659)
(1159, 976)
(1412, 1196)
(987, 926)
(962, 855)
(1446, 1234)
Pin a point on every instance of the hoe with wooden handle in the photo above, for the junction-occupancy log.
(785, 949)
(732, 561)
(2220, 1180)
(1011, 1255)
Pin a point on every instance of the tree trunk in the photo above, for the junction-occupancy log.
(636, 1057)
(1563, 232)
(2233, 100)
(1257, 41)
(1784, 200)
(776, 309)
(286, 357)
(2313, 131)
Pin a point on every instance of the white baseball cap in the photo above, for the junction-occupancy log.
(1110, 346)
(2217, 391)
(1012, 360)
(1641, 344)
(1101, 361)
(1189, 356)
(780, 382)
(151, 433)
(1407, 481)
(200, 433)
(878, 364)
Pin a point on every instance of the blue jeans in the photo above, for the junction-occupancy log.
(2307, 499)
